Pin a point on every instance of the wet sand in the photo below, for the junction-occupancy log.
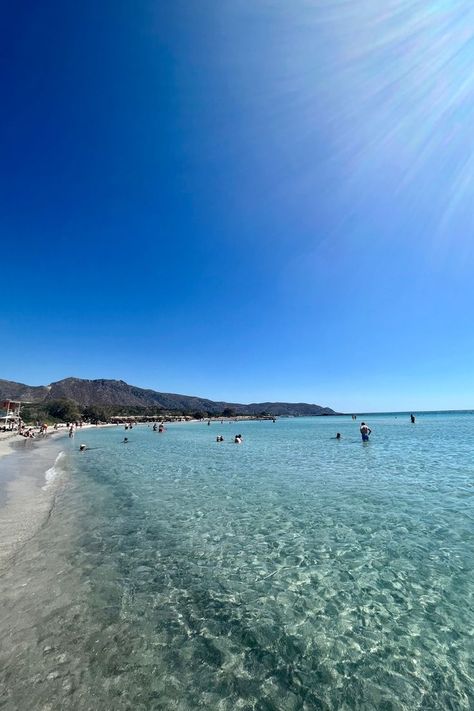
(8, 442)
(26, 495)
(30, 475)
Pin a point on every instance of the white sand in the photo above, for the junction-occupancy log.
(24, 504)
(26, 497)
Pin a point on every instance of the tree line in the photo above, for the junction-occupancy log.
(64, 410)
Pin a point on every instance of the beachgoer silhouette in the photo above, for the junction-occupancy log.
(365, 431)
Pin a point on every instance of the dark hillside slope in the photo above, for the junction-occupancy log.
(18, 391)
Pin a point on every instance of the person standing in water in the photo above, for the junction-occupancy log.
(365, 431)
(412, 418)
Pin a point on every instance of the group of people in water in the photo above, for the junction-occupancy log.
(365, 430)
(238, 439)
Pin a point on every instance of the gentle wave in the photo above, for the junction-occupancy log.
(53, 472)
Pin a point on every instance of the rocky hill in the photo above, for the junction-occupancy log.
(18, 391)
(117, 392)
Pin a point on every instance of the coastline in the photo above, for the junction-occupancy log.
(30, 477)
(26, 493)
(31, 473)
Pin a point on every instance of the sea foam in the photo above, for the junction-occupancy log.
(53, 472)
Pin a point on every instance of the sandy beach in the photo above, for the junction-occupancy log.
(25, 498)
(30, 476)
(8, 441)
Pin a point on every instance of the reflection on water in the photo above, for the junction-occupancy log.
(292, 572)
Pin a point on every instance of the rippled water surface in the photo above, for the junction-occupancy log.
(291, 572)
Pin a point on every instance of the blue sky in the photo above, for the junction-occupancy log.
(244, 201)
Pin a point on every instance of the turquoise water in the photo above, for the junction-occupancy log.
(291, 572)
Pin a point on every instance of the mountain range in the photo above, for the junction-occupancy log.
(117, 392)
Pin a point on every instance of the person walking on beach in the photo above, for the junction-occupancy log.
(365, 431)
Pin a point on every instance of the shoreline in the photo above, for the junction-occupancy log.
(26, 498)
(27, 493)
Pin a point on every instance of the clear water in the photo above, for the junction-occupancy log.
(291, 572)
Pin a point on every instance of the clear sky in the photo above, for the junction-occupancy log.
(241, 200)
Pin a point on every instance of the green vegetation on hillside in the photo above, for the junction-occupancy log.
(63, 410)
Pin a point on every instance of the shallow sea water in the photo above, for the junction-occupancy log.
(291, 572)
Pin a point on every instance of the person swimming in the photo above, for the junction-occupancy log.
(238, 439)
(338, 435)
(125, 440)
(365, 431)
